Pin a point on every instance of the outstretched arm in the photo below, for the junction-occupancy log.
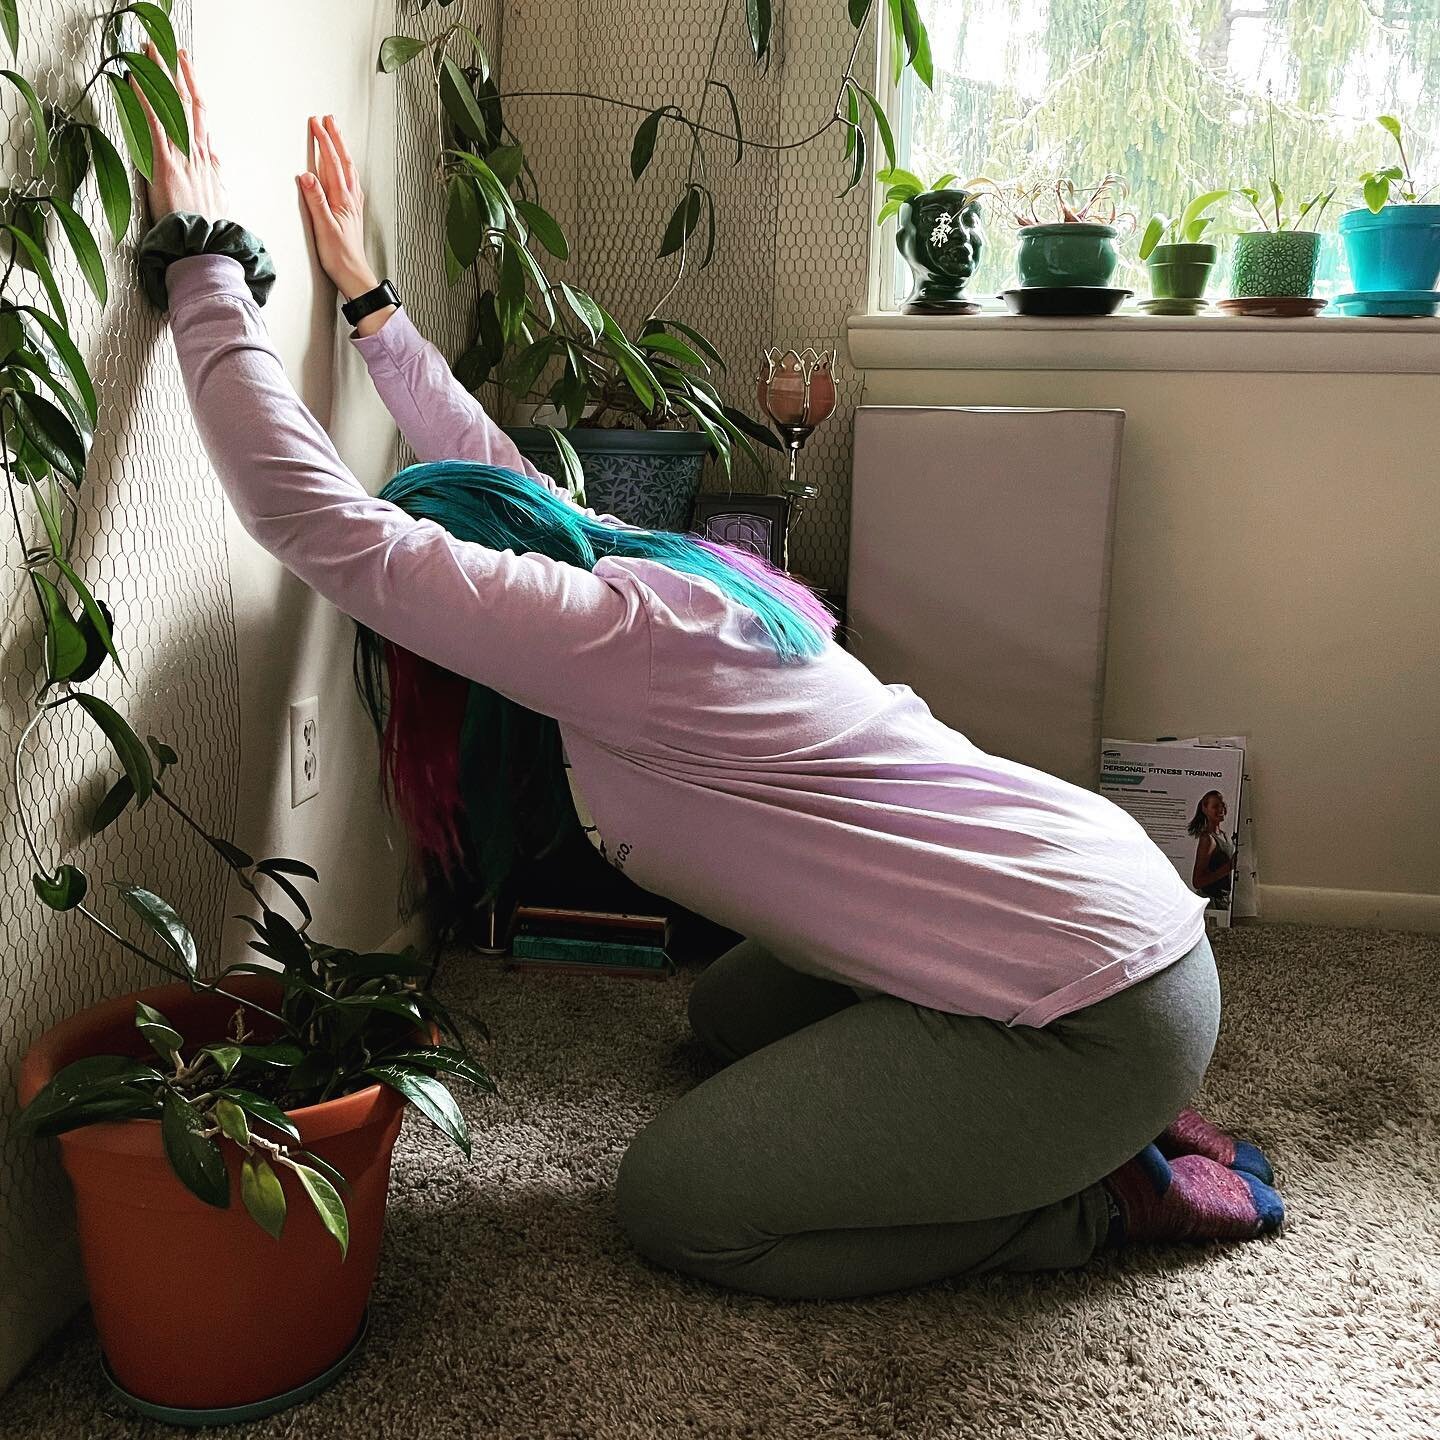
(556, 638)
(439, 418)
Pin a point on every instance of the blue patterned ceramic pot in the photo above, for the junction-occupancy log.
(647, 478)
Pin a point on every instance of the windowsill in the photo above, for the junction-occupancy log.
(1345, 345)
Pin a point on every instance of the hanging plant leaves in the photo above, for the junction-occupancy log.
(37, 116)
(159, 29)
(73, 361)
(165, 757)
(586, 311)
(64, 644)
(682, 222)
(459, 102)
(857, 169)
(82, 242)
(545, 228)
(125, 742)
(510, 298)
(30, 249)
(231, 1119)
(81, 1084)
(735, 116)
(642, 148)
(262, 1195)
(171, 929)
(110, 809)
(194, 1157)
(113, 183)
(163, 1038)
(231, 854)
(328, 1204)
(72, 161)
(698, 340)
(397, 51)
(506, 162)
(752, 428)
(882, 126)
(63, 890)
(133, 126)
(286, 943)
(675, 349)
(10, 24)
(257, 1107)
(464, 224)
(859, 10)
(574, 471)
(759, 19)
(430, 1097)
(164, 98)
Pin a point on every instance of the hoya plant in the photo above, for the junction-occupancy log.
(1393, 184)
(555, 344)
(343, 1020)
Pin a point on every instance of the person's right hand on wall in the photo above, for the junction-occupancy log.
(335, 204)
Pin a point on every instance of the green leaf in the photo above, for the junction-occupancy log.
(852, 119)
(164, 755)
(286, 942)
(510, 298)
(231, 854)
(159, 29)
(525, 367)
(546, 228)
(682, 222)
(259, 1108)
(444, 1058)
(675, 349)
(164, 922)
(283, 865)
(586, 311)
(857, 169)
(113, 183)
(1390, 124)
(882, 126)
(464, 224)
(125, 742)
(263, 1195)
(1193, 212)
(37, 116)
(459, 102)
(82, 242)
(52, 433)
(25, 244)
(1154, 231)
(642, 148)
(62, 891)
(231, 1119)
(64, 644)
(574, 471)
(751, 428)
(164, 1039)
(1377, 192)
(324, 1167)
(506, 162)
(397, 51)
(159, 89)
(735, 116)
(429, 1097)
(379, 964)
(759, 19)
(74, 362)
(227, 1057)
(10, 25)
(327, 1202)
(698, 340)
(133, 126)
(194, 1157)
(99, 622)
(119, 795)
(79, 1083)
(859, 10)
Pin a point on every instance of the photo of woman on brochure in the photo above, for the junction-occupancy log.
(1214, 851)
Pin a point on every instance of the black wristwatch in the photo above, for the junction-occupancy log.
(372, 300)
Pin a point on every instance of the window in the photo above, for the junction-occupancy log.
(1177, 96)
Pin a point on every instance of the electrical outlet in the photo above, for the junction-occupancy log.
(304, 750)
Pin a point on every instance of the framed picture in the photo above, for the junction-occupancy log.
(756, 523)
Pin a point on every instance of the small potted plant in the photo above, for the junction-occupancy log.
(1392, 242)
(1178, 259)
(1065, 264)
(1277, 262)
(939, 234)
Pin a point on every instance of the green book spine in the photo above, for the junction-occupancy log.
(588, 952)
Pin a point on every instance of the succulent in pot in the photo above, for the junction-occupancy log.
(1077, 247)
(939, 234)
(1392, 242)
(1178, 257)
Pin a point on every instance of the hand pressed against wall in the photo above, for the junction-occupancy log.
(190, 183)
(335, 204)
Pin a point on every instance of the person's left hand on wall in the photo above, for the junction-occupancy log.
(189, 184)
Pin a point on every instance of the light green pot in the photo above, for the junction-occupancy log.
(1275, 262)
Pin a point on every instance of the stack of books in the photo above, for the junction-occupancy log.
(594, 942)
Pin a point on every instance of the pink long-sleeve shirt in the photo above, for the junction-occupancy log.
(828, 816)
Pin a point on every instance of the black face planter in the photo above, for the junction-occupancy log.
(940, 236)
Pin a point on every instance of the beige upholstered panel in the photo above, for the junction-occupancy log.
(980, 570)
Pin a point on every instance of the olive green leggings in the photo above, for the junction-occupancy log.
(851, 1147)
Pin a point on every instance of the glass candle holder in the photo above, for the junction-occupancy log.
(795, 390)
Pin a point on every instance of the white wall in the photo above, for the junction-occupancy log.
(292, 644)
(1276, 573)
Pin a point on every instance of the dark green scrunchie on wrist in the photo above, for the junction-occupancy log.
(180, 235)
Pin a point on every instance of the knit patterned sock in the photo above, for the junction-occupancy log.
(1190, 1133)
(1189, 1198)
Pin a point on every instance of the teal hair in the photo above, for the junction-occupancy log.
(478, 779)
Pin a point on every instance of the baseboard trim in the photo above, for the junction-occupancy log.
(1358, 909)
(415, 931)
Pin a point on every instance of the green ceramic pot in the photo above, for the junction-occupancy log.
(1076, 254)
(939, 234)
(1275, 262)
(1181, 272)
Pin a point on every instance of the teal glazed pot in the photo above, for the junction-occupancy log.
(1275, 262)
(1396, 248)
(647, 478)
(940, 236)
(1066, 255)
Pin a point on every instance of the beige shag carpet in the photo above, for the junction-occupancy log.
(508, 1305)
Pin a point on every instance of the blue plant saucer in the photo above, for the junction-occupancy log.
(1396, 303)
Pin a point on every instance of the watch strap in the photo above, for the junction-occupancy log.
(372, 300)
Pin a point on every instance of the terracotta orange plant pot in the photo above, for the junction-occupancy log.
(198, 1308)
